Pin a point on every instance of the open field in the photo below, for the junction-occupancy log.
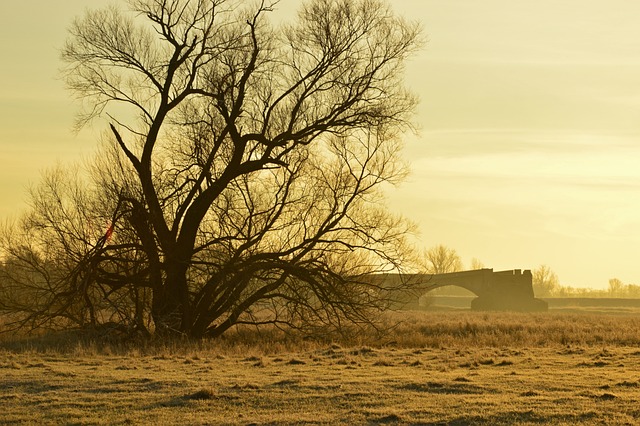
(556, 304)
(435, 368)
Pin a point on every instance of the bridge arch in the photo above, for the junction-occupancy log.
(501, 290)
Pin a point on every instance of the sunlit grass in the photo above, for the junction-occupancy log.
(446, 368)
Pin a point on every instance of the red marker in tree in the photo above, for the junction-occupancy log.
(107, 235)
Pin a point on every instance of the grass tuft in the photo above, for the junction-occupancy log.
(203, 394)
(607, 396)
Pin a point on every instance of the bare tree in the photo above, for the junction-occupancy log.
(441, 259)
(545, 281)
(616, 287)
(242, 183)
(476, 264)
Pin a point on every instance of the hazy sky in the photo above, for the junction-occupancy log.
(529, 148)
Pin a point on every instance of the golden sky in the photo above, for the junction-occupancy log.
(529, 143)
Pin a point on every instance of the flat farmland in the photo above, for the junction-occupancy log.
(434, 368)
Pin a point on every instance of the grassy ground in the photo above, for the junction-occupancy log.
(435, 368)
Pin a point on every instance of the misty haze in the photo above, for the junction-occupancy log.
(319, 212)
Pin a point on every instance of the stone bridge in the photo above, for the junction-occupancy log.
(497, 291)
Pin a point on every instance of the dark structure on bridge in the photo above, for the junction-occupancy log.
(497, 291)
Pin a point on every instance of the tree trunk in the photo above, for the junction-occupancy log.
(171, 305)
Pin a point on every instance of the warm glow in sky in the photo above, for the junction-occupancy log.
(529, 144)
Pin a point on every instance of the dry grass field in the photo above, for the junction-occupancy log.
(447, 368)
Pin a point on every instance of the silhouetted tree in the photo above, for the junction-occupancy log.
(545, 281)
(241, 178)
(632, 291)
(616, 287)
(476, 264)
(441, 259)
